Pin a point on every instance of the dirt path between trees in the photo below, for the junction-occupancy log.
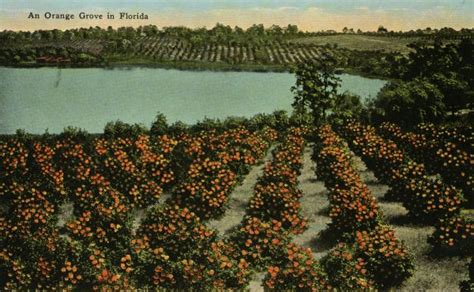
(315, 206)
(239, 199)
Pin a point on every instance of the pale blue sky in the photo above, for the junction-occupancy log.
(200, 5)
(309, 14)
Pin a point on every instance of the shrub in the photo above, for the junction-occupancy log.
(120, 129)
(427, 199)
(280, 202)
(174, 249)
(178, 128)
(346, 271)
(352, 206)
(295, 269)
(388, 262)
(159, 125)
(453, 235)
(207, 188)
(258, 241)
(177, 230)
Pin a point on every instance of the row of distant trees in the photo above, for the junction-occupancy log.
(220, 33)
(445, 32)
(48, 55)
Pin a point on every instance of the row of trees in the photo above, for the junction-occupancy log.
(218, 34)
(432, 83)
(433, 33)
(48, 54)
(219, 29)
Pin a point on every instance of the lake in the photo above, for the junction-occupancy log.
(51, 98)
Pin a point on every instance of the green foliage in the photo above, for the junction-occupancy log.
(178, 128)
(208, 124)
(159, 125)
(346, 106)
(74, 133)
(453, 88)
(315, 89)
(22, 135)
(234, 122)
(282, 121)
(276, 120)
(436, 78)
(425, 61)
(49, 54)
(347, 272)
(120, 129)
(411, 103)
(300, 119)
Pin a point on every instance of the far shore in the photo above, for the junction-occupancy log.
(187, 66)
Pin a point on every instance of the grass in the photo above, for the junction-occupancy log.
(361, 42)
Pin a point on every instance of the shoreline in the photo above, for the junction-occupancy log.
(187, 66)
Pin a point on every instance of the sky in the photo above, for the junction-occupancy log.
(309, 15)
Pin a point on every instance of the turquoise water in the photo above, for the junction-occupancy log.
(51, 98)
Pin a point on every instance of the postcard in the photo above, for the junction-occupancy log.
(236, 145)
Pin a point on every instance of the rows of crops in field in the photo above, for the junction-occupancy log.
(108, 180)
(446, 152)
(176, 50)
(172, 49)
(428, 199)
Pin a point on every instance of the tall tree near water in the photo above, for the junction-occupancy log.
(315, 89)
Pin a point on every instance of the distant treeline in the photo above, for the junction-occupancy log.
(255, 48)
(49, 55)
(219, 34)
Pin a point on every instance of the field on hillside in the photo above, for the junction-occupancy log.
(361, 42)
(285, 207)
(220, 48)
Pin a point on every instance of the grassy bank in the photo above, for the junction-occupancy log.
(194, 65)
(187, 66)
(360, 42)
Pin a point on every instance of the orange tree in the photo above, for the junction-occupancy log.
(174, 249)
(355, 220)
(444, 151)
(428, 200)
